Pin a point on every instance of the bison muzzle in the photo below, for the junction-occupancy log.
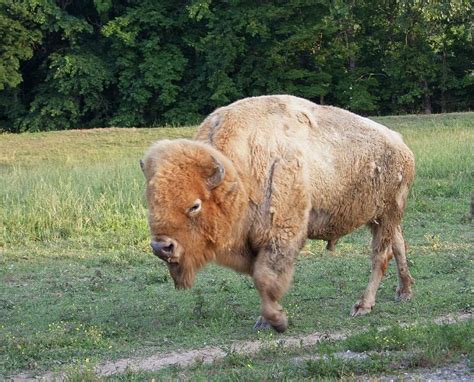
(263, 175)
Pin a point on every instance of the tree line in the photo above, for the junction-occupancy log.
(77, 64)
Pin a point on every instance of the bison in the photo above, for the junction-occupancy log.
(266, 173)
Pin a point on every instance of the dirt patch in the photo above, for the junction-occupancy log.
(346, 355)
(213, 353)
(209, 354)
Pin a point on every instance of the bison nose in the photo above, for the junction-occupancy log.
(163, 249)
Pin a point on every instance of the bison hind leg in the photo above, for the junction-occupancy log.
(331, 245)
(404, 278)
(365, 304)
(382, 234)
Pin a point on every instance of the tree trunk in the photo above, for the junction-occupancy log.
(443, 84)
(426, 98)
(352, 63)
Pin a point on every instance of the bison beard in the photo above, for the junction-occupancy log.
(264, 174)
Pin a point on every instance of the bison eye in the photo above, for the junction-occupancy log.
(195, 208)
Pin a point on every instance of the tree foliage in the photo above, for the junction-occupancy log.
(67, 64)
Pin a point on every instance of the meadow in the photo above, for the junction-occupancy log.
(79, 285)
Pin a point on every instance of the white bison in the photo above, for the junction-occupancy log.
(264, 174)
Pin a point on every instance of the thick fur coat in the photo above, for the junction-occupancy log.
(264, 174)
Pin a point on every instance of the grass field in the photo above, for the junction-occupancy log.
(78, 284)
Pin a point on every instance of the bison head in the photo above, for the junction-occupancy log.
(195, 202)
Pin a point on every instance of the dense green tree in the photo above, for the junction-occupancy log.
(62, 84)
(20, 31)
(425, 42)
(147, 48)
(83, 63)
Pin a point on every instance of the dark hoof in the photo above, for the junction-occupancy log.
(261, 324)
(360, 310)
(403, 296)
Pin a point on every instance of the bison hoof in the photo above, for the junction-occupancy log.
(403, 295)
(263, 324)
(360, 310)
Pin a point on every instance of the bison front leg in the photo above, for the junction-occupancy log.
(272, 275)
(279, 235)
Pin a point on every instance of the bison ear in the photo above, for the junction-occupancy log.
(217, 176)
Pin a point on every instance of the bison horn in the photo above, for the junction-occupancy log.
(218, 175)
(142, 165)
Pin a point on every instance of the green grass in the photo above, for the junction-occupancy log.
(388, 351)
(391, 350)
(78, 282)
